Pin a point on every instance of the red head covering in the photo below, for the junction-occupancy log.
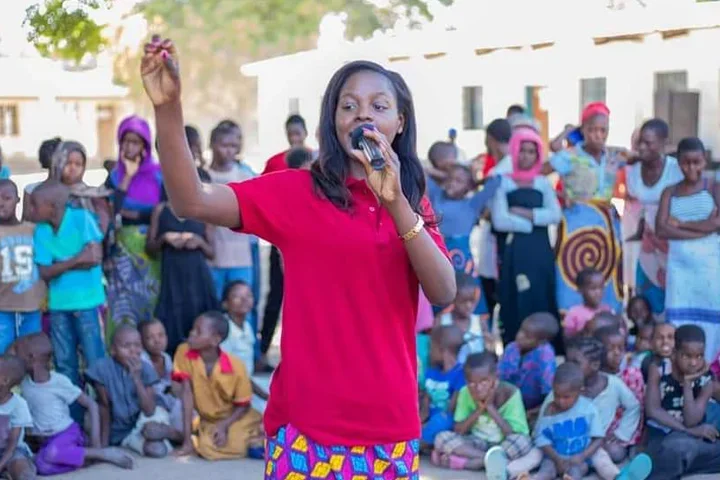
(592, 109)
(519, 136)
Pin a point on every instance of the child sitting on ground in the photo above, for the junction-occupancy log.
(238, 302)
(590, 284)
(15, 455)
(643, 344)
(570, 433)
(218, 386)
(679, 441)
(602, 320)
(49, 396)
(663, 346)
(475, 329)
(155, 342)
(615, 363)
(489, 413)
(608, 393)
(443, 381)
(529, 361)
(124, 386)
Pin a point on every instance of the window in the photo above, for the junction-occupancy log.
(294, 105)
(671, 81)
(592, 90)
(472, 108)
(9, 120)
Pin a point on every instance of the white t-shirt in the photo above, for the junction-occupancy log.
(14, 414)
(49, 403)
(240, 342)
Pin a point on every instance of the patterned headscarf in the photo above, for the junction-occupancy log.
(81, 190)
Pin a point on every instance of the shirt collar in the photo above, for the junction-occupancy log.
(223, 360)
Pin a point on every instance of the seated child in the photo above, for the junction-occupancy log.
(124, 385)
(601, 320)
(529, 361)
(643, 344)
(663, 346)
(228, 427)
(15, 455)
(155, 342)
(640, 314)
(476, 333)
(608, 393)
(238, 302)
(21, 289)
(614, 363)
(679, 443)
(49, 396)
(443, 381)
(590, 284)
(570, 433)
(489, 413)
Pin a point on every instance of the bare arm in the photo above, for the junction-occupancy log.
(49, 272)
(663, 228)
(102, 209)
(187, 411)
(709, 225)
(592, 448)
(104, 404)
(153, 244)
(694, 408)
(501, 422)
(653, 409)
(94, 412)
(9, 448)
(463, 428)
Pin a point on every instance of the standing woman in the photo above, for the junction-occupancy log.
(524, 206)
(133, 276)
(688, 218)
(589, 235)
(356, 247)
(646, 181)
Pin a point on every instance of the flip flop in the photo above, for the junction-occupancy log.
(639, 468)
(496, 464)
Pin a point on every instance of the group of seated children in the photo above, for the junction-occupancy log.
(649, 414)
(144, 403)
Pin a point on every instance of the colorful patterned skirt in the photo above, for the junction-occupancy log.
(589, 237)
(290, 455)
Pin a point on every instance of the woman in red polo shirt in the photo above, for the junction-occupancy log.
(355, 247)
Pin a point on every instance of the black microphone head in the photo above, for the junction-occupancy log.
(358, 134)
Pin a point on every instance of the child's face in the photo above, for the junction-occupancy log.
(690, 358)
(436, 352)
(458, 183)
(564, 396)
(615, 351)
(592, 291)
(127, 345)
(154, 338)
(74, 168)
(527, 338)
(528, 155)
(203, 336)
(445, 162)
(224, 148)
(465, 303)
(595, 132)
(296, 135)
(240, 300)
(663, 340)
(578, 358)
(132, 146)
(692, 165)
(8, 202)
(643, 342)
(480, 382)
(638, 312)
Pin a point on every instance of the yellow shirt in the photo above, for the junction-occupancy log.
(217, 396)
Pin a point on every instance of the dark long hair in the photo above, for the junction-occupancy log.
(333, 166)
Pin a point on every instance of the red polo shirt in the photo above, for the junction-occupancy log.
(276, 163)
(348, 374)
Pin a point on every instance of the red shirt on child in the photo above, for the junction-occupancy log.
(276, 163)
(348, 374)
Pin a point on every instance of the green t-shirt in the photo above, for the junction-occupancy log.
(513, 411)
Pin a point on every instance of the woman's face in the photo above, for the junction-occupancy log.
(595, 132)
(650, 147)
(367, 97)
(132, 146)
(528, 155)
(692, 165)
(74, 168)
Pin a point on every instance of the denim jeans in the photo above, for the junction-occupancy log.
(17, 324)
(68, 329)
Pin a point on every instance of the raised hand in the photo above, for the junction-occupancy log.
(386, 182)
(160, 71)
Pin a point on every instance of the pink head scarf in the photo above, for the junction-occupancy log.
(519, 136)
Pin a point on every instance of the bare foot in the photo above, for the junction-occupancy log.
(119, 458)
(185, 450)
(568, 477)
(523, 476)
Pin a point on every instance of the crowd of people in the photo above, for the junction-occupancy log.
(128, 322)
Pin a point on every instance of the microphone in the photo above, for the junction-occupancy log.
(368, 146)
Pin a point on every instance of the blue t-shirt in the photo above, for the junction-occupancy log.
(441, 386)
(459, 216)
(74, 289)
(569, 432)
